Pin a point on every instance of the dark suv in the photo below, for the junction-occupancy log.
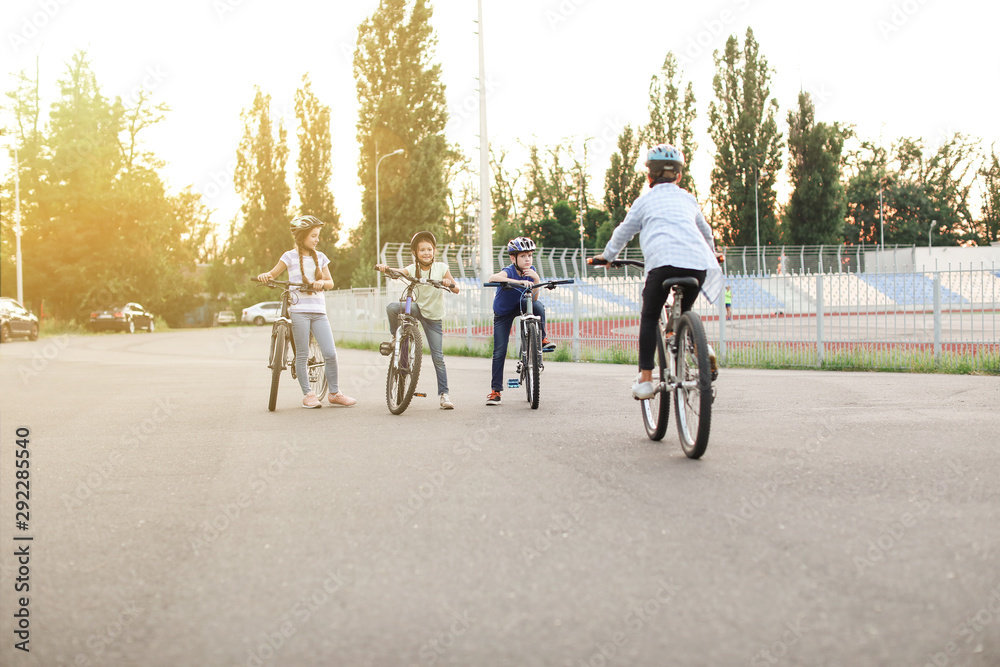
(16, 320)
(127, 318)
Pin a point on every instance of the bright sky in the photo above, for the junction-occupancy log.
(556, 69)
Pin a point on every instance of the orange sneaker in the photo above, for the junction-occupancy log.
(493, 398)
(547, 345)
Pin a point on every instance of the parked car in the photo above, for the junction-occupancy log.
(128, 318)
(259, 313)
(16, 320)
(224, 317)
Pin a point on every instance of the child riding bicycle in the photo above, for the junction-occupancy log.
(676, 241)
(308, 312)
(506, 306)
(429, 306)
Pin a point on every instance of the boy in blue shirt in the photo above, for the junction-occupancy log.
(506, 307)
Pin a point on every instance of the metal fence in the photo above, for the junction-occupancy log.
(883, 320)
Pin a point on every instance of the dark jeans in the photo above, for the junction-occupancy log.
(653, 298)
(501, 337)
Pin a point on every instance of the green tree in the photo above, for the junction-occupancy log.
(748, 145)
(816, 209)
(562, 230)
(622, 182)
(987, 228)
(261, 182)
(670, 117)
(315, 162)
(401, 105)
(507, 220)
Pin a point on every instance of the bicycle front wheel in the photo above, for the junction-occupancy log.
(656, 410)
(404, 369)
(693, 396)
(316, 369)
(532, 360)
(276, 362)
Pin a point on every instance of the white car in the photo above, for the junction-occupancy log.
(261, 313)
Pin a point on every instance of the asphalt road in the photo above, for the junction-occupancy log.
(836, 519)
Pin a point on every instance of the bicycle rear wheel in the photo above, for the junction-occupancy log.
(656, 410)
(404, 371)
(693, 396)
(532, 354)
(276, 362)
(316, 369)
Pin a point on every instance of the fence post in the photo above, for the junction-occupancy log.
(722, 326)
(819, 319)
(576, 321)
(937, 317)
(468, 319)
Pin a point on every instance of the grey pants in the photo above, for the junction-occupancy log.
(302, 324)
(435, 339)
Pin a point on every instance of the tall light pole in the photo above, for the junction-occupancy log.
(756, 209)
(933, 225)
(378, 233)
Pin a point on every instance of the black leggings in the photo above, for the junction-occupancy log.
(653, 298)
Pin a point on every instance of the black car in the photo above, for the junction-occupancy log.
(127, 318)
(16, 320)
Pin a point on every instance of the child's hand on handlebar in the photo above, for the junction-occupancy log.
(264, 278)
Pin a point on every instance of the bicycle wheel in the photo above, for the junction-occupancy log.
(404, 371)
(693, 396)
(531, 356)
(656, 410)
(316, 368)
(276, 362)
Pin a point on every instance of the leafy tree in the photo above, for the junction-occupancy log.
(670, 117)
(562, 230)
(748, 145)
(260, 180)
(315, 163)
(507, 221)
(622, 182)
(987, 228)
(401, 105)
(816, 210)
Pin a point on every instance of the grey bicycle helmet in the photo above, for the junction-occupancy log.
(304, 222)
(422, 236)
(520, 244)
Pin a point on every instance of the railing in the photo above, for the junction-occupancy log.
(897, 320)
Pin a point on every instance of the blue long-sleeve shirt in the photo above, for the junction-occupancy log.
(672, 232)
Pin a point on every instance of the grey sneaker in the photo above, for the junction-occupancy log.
(446, 403)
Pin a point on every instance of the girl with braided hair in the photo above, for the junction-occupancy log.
(306, 265)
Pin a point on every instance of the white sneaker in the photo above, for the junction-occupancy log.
(643, 390)
(446, 403)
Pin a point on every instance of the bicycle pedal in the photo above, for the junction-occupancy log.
(385, 349)
(417, 393)
(513, 383)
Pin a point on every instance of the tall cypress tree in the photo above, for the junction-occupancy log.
(315, 164)
(260, 179)
(748, 145)
(401, 105)
(816, 209)
(670, 117)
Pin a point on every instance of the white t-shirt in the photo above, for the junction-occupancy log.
(308, 302)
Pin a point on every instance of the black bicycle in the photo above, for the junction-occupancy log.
(529, 365)
(407, 349)
(683, 370)
(282, 351)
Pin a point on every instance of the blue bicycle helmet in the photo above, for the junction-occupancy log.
(520, 244)
(662, 155)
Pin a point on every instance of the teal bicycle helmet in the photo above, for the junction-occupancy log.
(662, 155)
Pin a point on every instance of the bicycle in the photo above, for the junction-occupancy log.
(282, 351)
(406, 349)
(529, 365)
(683, 370)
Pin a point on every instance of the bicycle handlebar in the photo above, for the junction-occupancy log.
(548, 284)
(615, 263)
(303, 287)
(399, 275)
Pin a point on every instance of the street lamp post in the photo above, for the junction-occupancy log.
(378, 234)
(929, 231)
(756, 209)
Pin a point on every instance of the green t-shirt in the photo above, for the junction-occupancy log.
(429, 298)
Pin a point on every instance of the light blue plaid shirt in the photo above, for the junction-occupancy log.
(672, 232)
